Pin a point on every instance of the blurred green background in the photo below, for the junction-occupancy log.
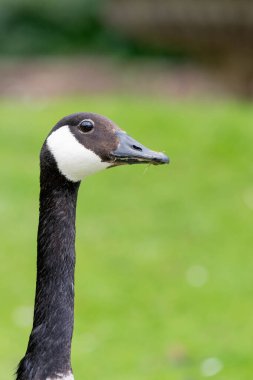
(164, 265)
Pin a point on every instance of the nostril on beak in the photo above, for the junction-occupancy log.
(135, 147)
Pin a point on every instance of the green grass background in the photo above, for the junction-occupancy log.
(139, 230)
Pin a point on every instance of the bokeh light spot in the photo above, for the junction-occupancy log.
(211, 366)
(197, 275)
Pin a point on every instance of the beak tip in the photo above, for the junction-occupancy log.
(163, 159)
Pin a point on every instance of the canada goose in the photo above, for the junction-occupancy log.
(79, 145)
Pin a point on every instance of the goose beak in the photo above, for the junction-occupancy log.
(130, 151)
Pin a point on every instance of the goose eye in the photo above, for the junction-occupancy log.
(86, 125)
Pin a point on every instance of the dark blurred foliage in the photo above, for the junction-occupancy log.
(31, 27)
(206, 27)
(64, 27)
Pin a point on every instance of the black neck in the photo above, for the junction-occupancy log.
(49, 346)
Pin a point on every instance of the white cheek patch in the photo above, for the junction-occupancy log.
(60, 376)
(74, 161)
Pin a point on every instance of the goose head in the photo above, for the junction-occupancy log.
(85, 143)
